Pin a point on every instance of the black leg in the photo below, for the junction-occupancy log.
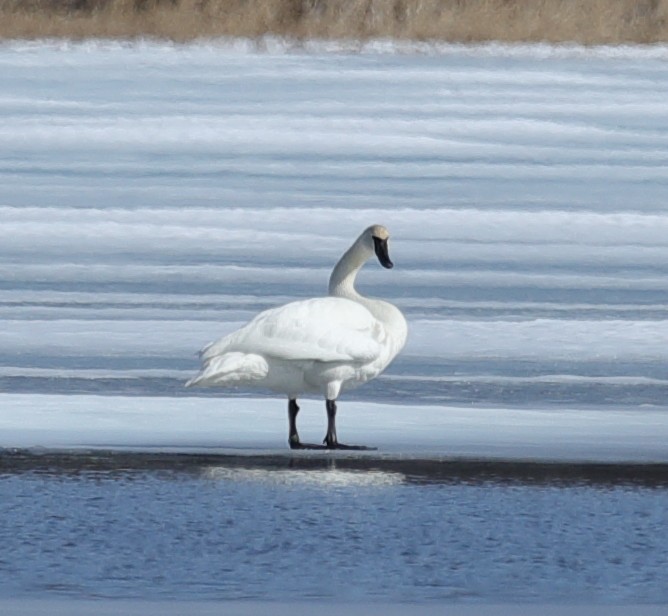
(293, 437)
(293, 409)
(331, 441)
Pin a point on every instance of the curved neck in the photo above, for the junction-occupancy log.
(342, 280)
(342, 284)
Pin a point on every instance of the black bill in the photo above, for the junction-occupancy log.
(382, 252)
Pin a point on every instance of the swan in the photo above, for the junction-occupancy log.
(324, 345)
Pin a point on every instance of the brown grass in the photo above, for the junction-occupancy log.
(588, 22)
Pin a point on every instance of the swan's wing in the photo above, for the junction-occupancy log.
(325, 329)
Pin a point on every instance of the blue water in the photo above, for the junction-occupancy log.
(275, 533)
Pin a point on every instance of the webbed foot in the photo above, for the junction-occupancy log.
(337, 445)
(295, 443)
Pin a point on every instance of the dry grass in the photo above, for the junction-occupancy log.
(583, 21)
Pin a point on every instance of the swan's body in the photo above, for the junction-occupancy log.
(322, 345)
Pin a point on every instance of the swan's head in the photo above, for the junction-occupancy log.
(377, 237)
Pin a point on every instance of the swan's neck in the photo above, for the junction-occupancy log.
(342, 280)
(342, 284)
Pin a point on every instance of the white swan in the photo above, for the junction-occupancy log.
(325, 345)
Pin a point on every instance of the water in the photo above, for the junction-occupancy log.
(274, 529)
(155, 197)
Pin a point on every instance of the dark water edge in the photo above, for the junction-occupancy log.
(413, 470)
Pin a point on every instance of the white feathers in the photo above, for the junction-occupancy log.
(231, 368)
(325, 329)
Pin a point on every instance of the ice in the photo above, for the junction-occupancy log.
(157, 196)
(260, 426)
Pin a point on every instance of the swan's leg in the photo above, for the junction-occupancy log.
(293, 438)
(331, 441)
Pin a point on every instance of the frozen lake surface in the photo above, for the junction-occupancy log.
(155, 197)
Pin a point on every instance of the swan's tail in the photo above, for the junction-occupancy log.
(230, 369)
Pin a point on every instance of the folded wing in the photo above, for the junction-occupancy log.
(327, 329)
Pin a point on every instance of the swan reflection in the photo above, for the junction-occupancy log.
(328, 477)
